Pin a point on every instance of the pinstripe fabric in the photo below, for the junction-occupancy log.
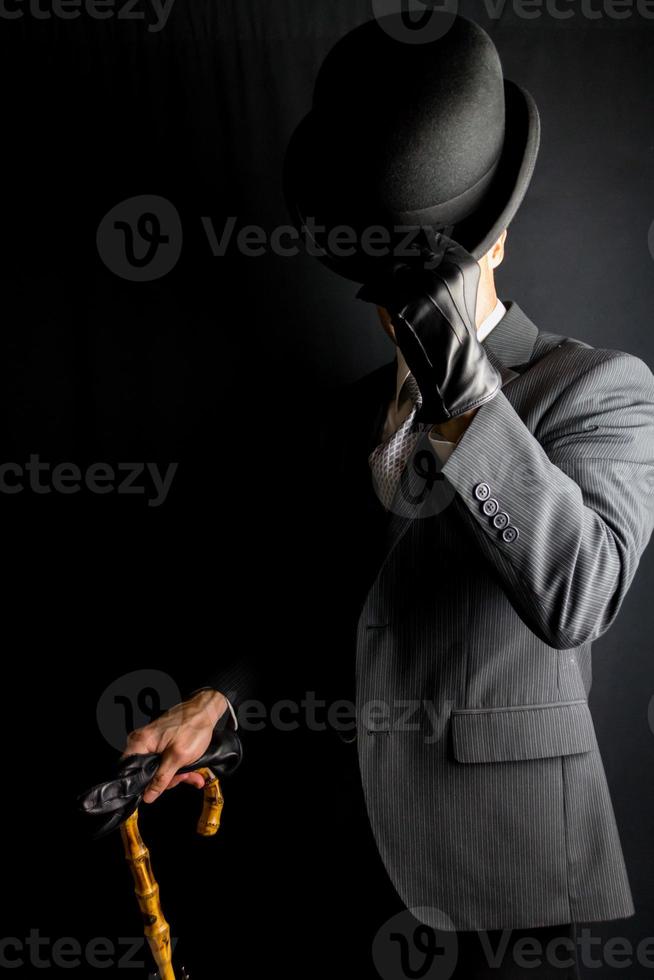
(483, 782)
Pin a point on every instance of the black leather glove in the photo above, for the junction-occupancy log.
(112, 802)
(432, 302)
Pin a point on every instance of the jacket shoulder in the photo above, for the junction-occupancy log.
(582, 358)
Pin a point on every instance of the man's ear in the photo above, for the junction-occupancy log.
(496, 251)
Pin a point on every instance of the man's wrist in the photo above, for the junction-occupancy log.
(211, 700)
(214, 701)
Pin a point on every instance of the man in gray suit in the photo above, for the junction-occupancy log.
(480, 769)
(487, 498)
(492, 491)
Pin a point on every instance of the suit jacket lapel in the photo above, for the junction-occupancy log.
(512, 340)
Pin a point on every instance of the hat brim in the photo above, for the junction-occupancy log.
(477, 232)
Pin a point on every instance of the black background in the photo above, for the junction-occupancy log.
(218, 366)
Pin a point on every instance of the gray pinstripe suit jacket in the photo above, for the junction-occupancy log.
(484, 786)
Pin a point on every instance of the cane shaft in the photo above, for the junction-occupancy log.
(212, 807)
(156, 929)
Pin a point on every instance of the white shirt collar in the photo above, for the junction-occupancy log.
(483, 331)
(491, 321)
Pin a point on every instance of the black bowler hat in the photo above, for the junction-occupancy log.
(426, 135)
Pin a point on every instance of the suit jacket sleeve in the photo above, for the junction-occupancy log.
(579, 491)
(236, 679)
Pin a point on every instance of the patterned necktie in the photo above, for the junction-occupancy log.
(388, 460)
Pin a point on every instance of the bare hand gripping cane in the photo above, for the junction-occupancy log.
(115, 804)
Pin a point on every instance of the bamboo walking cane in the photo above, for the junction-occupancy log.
(156, 928)
(116, 804)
